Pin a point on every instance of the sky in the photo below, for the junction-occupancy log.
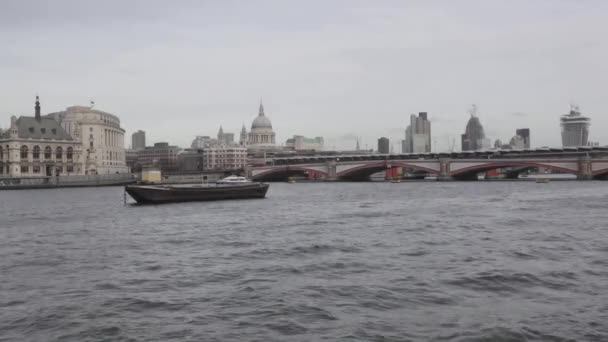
(341, 69)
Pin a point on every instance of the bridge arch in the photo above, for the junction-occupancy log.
(601, 174)
(470, 172)
(282, 173)
(363, 172)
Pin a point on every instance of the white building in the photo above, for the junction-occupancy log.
(261, 134)
(301, 143)
(575, 128)
(224, 157)
(38, 146)
(417, 135)
(101, 136)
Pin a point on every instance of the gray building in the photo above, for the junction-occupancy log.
(525, 134)
(474, 137)
(575, 128)
(417, 135)
(201, 141)
(138, 140)
(383, 145)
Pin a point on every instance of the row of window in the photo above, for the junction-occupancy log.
(36, 169)
(48, 152)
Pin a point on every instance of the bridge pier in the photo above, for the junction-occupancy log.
(585, 171)
(332, 174)
(444, 170)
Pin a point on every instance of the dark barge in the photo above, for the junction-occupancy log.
(156, 194)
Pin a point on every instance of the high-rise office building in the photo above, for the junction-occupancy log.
(138, 140)
(575, 128)
(383, 145)
(474, 137)
(524, 133)
(417, 134)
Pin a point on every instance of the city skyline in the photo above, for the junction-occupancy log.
(361, 75)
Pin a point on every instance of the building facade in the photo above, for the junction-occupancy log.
(224, 157)
(101, 137)
(301, 143)
(524, 133)
(39, 146)
(417, 134)
(474, 138)
(138, 140)
(575, 128)
(383, 145)
(261, 134)
(200, 141)
(161, 155)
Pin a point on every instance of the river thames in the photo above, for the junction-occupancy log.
(415, 261)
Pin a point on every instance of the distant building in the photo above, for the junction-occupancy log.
(224, 157)
(474, 138)
(244, 138)
(517, 142)
(225, 138)
(301, 143)
(417, 134)
(200, 141)
(261, 134)
(160, 155)
(138, 140)
(575, 128)
(190, 160)
(383, 145)
(131, 160)
(37, 146)
(525, 134)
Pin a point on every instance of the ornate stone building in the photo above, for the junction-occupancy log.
(39, 146)
(261, 134)
(101, 136)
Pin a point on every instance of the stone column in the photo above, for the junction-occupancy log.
(444, 170)
(585, 171)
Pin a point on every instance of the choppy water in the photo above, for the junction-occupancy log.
(490, 261)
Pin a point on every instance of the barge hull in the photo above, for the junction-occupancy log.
(148, 194)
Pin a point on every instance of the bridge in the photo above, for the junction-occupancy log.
(585, 162)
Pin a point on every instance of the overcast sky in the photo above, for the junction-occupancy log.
(337, 69)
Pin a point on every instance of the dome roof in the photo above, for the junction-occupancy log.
(261, 121)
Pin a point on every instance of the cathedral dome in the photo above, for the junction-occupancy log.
(261, 121)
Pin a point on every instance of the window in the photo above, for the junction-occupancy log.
(48, 152)
(43, 130)
(54, 130)
(36, 169)
(59, 153)
(70, 168)
(1, 153)
(91, 144)
(25, 169)
(31, 129)
(36, 152)
(69, 153)
(23, 152)
(90, 129)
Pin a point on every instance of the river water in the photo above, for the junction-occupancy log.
(415, 261)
